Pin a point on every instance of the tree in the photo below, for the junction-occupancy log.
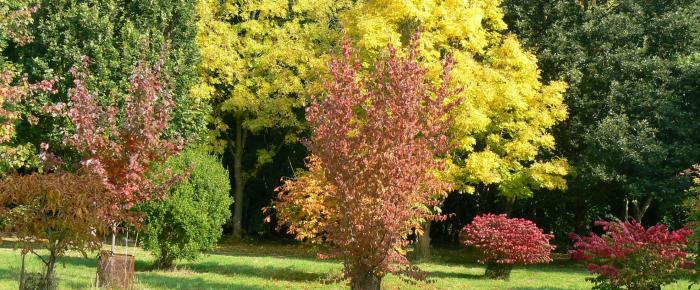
(188, 222)
(57, 208)
(504, 120)
(116, 35)
(632, 71)
(376, 138)
(259, 62)
(120, 143)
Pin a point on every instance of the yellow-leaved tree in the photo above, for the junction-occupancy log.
(261, 59)
(504, 120)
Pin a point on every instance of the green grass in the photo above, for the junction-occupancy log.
(277, 266)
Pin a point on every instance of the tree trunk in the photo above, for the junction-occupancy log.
(639, 211)
(237, 198)
(239, 182)
(49, 280)
(166, 261)
(423, 242)
(498, 271)
(22, 271)
(484, 200)
(368, 281)
(114, 237)
(509, 206)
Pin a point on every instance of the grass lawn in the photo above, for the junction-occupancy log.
(247, 265)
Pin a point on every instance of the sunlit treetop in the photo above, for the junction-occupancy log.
(504, 121)
(259, 59)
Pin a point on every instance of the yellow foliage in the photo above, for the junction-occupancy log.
(261, 59)
(505, 116)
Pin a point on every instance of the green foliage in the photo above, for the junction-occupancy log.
(632, 72)
(189, 220)
(115, 34)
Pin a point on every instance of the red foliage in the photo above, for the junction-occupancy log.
(504, 240)
(629, 255)
(377, 138)
(119, 143)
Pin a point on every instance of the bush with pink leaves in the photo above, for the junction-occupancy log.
(631, 257)
(504, 242)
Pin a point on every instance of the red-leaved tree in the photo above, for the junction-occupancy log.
(630, 256)
(377, 138)
(504, 242)
(120, 142)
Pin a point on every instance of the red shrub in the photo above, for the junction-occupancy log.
(503, 240)
(629, 255)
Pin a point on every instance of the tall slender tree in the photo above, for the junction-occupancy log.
(120, 143)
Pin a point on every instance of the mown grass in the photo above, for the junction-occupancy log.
(249, 265)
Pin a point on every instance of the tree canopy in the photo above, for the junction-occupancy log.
(503, 122)
(631, 66)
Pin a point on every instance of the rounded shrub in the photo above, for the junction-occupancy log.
(189, 220)
(504, 242)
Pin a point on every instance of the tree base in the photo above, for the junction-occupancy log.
(115, 271)
(38, 281)
(498, 271)
(366, 282)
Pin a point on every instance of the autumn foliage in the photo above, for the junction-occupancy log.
(302, 204)
(120, 142)
(507, 241)
(376, 138)
(53, 211)
(504, 240)
(628, 255)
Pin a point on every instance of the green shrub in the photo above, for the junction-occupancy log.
(189, 220)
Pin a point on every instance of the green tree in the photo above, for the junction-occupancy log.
(188, 221)
(116, 35)
(632, 71)
(261, 60)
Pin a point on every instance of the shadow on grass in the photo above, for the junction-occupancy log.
(304, 257)
(9, 274)
(455, 275)
(91, 262)
(155, 280)
(541, 288)
(263, 272)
